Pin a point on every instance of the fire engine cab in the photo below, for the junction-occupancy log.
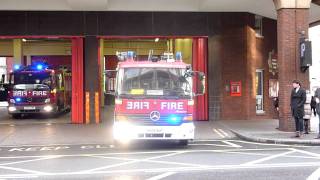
(38, 89)
(154, 99)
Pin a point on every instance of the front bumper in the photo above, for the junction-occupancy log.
(30, 109)
(125, 131)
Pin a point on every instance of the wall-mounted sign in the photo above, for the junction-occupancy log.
(235, 88)
(273, 87)
(273, 63)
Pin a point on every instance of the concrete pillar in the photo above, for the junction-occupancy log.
(92, 79)
(293, 18)
(17, 51)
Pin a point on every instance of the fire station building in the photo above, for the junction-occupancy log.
(248, 49)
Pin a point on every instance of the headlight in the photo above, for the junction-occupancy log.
(48, 108)
(11, 108)
(123, 132)
(12, 101)
(47, 100)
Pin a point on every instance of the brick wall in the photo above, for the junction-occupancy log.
(290, 23)
(234, 55)
(257, 58)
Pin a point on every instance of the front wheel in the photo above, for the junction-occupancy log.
(183, 142)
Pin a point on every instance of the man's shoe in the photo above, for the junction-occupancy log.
(297, 134)
(306, 132)
(318, 137)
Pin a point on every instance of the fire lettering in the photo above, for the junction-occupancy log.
(39, 93)
(137, 105)
(172, 105)
(19, 93)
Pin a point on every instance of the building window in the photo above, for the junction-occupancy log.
(259, 91)
(258, 25)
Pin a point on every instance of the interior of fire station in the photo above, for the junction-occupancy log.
(189, 47)
(54, 54)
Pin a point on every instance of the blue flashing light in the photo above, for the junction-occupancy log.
(130, 54)
(39, 66)
(16, 67)
(174, 119)
(18, 99)
(179, 56)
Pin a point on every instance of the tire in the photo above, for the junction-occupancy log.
(183, 142)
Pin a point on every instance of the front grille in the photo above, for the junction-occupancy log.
(144, 120)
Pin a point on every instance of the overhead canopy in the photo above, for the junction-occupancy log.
(261, 7)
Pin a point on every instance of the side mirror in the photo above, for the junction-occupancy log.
(200, 83)
(110, 82)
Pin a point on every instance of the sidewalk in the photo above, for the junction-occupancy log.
(265, 131)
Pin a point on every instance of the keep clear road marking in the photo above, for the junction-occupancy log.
(134, 161)
(161, 176)
(226, 144)
(269, 157)
(315, 175)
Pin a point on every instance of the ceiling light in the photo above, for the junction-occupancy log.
(156, 39)
(24, 40)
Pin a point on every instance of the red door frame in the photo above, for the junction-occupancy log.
(200, 55)
(77, 71)
(199, 63)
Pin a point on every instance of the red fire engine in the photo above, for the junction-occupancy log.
(38, 89)
(154, 99)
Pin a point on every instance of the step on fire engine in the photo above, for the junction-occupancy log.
(154, 99)
(39, 89)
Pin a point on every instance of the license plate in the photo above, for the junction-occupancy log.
(154, 130)
(29, 108)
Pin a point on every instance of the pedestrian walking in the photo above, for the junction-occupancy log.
(307, 112)
(313, 105)
(317, 99)
(298, 98)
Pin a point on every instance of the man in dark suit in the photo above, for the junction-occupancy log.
(298, 98)
(317, 99)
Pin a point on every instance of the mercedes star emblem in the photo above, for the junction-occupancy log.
(155, 115)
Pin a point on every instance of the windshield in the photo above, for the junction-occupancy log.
(32, 78)
(149, 82)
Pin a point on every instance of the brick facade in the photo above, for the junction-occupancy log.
(234, 55)
(290, 23)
